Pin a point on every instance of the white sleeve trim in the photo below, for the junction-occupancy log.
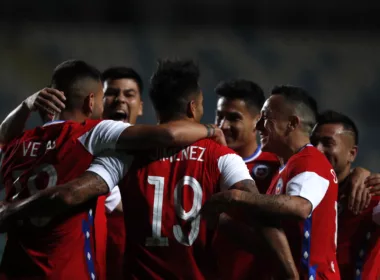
(376, 214)
(103, 136)
(308, 185)
(110, 167)
(113, 199)
(232, 169)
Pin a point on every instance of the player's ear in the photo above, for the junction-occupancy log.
(141, 108)
(353, 153)
(89, 104)
(191, 109)
(293, 123)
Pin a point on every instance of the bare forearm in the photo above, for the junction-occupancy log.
(280, 248)
(57, 200)
(174, 134)
(13, 125)
(272, 205)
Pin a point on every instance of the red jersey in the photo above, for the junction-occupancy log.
(115, 237)
(263, 166)
(358, 249)
(162, 195)
(309, 175)
(70, 245)
(233, 262)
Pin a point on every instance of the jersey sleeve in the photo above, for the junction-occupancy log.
(111, 167)
(103, 136)
(232, 170)
(308, 180)
(113, 199)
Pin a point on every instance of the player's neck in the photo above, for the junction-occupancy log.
(72, 116)
(341, 176)
(247, 150)
(295, 145)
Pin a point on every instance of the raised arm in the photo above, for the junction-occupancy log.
(48, 101)
(172, 134)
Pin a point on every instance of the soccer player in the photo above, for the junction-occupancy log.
(165, 188)
(303, 193)
(238, 110)
(123, 87)
(59, 230)
(358, 252)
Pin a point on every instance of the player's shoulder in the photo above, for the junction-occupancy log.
(268, 157)
(310, 159)
(309, 156)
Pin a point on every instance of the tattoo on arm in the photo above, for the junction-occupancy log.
(59, 199)
(247, 186)
(277, 205)
(210, 130)
(86, 187)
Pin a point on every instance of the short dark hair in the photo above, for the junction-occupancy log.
(120, 72)
(76, 79)
(172, 85)
(305, 105)
(333, 117)
(250, 92)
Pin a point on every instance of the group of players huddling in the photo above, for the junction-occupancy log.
(91, 195)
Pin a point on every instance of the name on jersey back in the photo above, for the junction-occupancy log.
(173, 154)
(31, 149)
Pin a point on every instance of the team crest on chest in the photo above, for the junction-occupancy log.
(260, 171)
(279, 186)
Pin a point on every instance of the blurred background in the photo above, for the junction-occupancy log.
(331, 48)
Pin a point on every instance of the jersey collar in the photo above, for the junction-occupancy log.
(254, 155)
(53, 122)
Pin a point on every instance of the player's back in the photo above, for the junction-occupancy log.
(50, 248)
(162, 195)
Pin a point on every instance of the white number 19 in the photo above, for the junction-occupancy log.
(159, 184)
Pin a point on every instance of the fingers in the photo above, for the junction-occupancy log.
(219, 136)
(353, 197)
(50, 101)
(358, 197)
(362, 199)
(373, 183)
